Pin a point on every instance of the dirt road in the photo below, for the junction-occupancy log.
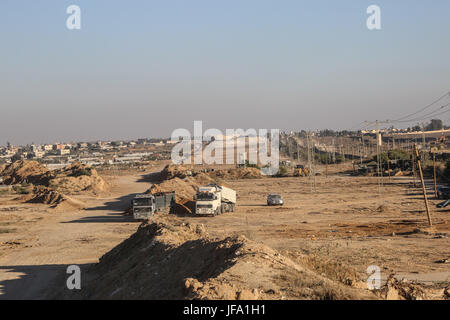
(44, 241)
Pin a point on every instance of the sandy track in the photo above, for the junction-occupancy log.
(42, 248)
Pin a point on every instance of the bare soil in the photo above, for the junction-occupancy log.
(348, 224)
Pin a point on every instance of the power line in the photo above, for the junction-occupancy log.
(404, 118)
(424, 118)
(424, 108)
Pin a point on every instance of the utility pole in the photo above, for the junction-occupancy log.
(414, 167)
(378, 141)
(434, 174)
(423, 186)
(423, 143)
(389, 168)
(309, 161)
(361, 149)
(313, 151)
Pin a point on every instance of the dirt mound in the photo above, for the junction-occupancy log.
(402, 290)
(183, 207)
(184, 188)
(77, 177)
(52, 198)
(168, 261)
(238, 173)
(25, 171)
(175, 171)
(73, 178)
(179, 171)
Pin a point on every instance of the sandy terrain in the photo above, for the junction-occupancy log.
(342, 221)
(43, 241)
(349, 219)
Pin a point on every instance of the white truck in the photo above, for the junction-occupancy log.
(213, 200)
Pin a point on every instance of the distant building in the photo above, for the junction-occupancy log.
(62, 152)
(58, 146)
(38, 154)
(48, 147)
(142, 141)
(82, 145)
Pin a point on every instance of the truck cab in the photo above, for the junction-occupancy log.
(214, 200)
(207, 201)
(146, 205)
(143, 206)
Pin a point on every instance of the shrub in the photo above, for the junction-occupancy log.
(82, 172)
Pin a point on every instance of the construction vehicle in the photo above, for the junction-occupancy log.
(300, 171)
(214, 199)
(146, 205)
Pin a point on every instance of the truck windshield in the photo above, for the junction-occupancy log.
(205, 196)
(142, 202)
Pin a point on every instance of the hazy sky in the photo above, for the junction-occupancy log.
(144, 68)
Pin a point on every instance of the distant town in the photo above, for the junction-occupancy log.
(97, 153)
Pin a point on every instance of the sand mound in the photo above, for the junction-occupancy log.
(175, 171)
(238, 173)
(184, 188)
(401, 290)
(73, 178)
(167, 261)
(77, 177)
(52, 198)
(25, 171)
(179, 171)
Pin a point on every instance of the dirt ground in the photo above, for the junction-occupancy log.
(37, 242)
(353, 220)
(349, 219)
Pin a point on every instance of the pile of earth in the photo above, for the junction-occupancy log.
(25, 171)
(73, 178)
(395, 289)
(235, 174)
(53, 198)
(77, 177)
(2, 167)
(184, 187)
(182, 261)
(175, 171)
(180, 171)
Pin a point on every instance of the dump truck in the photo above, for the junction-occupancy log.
(146, 205)
(214, 199)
